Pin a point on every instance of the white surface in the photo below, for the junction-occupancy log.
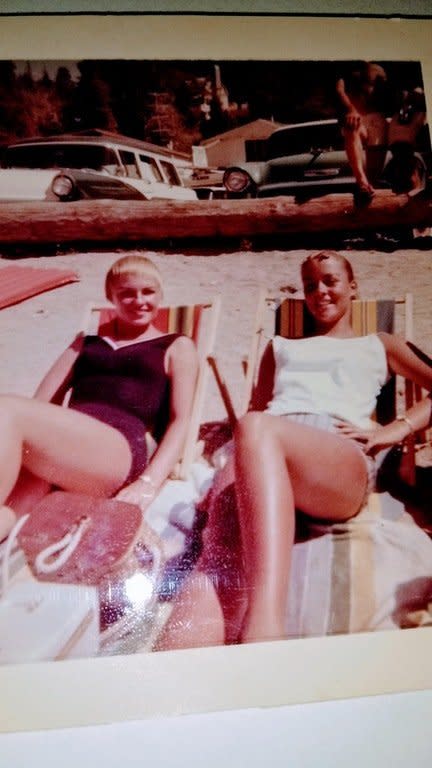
(45, 621)
(376, 731)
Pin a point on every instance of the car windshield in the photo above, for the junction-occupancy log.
(305, 139)
(60, 156)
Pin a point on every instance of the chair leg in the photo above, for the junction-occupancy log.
(225, 395)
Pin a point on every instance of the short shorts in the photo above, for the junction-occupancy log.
(328, 423)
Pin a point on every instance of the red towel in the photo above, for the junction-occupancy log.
(19, 283)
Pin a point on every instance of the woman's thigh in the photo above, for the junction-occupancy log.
(68, 448)
(328, 472)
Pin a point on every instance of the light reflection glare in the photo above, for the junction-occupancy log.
(139, 588)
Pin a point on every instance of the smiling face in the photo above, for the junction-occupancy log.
(136, 298)
(329, 290)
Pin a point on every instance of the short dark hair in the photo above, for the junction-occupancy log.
(322, 256)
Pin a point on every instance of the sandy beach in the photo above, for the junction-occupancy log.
(35, 331)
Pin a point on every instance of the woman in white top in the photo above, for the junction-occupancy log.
(292, 451)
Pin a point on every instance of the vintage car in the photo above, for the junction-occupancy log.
(76, 167)
(304, 160)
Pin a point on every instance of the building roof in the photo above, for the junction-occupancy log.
(256, 129)
(97, 136)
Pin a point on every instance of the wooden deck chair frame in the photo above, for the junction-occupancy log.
(368, 316)
(188, 320)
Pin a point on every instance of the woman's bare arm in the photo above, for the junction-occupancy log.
(403, 361)
(416, 418)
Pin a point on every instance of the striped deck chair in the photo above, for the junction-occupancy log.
(291, 320)
(199, 322)
(131, 633)
(367, 573)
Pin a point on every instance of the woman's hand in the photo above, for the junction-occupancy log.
(141, 492)
(376, 438)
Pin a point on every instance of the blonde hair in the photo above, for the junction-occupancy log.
(132, 264)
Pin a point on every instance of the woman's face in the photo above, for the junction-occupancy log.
(328, 291)
(136, 298)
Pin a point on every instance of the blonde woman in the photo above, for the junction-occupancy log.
(132, 379)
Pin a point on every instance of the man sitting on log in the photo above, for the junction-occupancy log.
(364, 100)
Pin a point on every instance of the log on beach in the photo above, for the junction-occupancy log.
(110, 220)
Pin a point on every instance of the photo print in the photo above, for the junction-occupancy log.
(256, 207)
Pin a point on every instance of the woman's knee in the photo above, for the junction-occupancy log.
(251, 427)
(262, 430)
(8, 412)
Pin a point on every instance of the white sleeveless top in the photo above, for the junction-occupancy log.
(325, 374)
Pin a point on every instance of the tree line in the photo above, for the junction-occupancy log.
(170, 103)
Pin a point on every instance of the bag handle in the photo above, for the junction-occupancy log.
(45, 562)
(11, 539)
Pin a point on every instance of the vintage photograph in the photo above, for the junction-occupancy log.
(215, 324)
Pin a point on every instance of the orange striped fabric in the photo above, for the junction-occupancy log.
(175, 319)
(19, 283)
(368, 316)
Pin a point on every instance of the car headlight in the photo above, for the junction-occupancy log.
(63, 186)
(237, 180)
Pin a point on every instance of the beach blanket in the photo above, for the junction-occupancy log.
(19, 283)
(372, 572)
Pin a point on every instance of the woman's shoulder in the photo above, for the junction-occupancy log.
(321, 339)
(369, 344)
(178, 344)
(390, 341)
(182, 355)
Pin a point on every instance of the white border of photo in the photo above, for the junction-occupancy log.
(103, 690)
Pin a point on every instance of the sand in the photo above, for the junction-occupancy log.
(34, 332)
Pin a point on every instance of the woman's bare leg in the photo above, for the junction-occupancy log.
(196, 620)
(61, 446)
(202, 614)
(280, 466)
(28, 490)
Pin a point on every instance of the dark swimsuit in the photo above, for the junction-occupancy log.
(125, 387)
